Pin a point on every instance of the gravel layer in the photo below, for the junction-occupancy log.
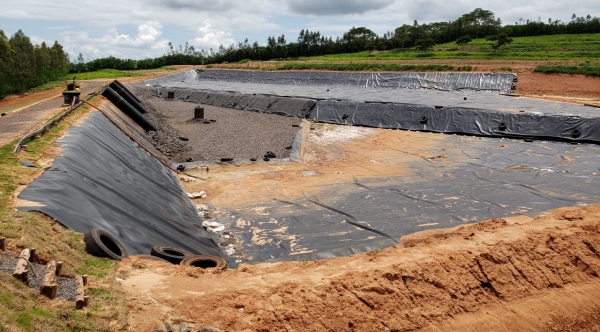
(231, 134)
(67, 288)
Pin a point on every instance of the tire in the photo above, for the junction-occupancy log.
(226, 160)
(171, 254)
(103, 244)
(205, 262)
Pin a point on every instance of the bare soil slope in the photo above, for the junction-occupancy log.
(499, 275)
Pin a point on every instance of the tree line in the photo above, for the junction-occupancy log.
(24, 65)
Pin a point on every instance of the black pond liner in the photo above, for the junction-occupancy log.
(104, 180)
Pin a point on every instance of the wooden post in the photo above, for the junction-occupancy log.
(25, 277)
(54, 291)
(49, 281)
(80, 299)
(21, 268)
(3, 243)
(59, 268)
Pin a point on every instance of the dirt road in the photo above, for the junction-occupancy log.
(32, 111)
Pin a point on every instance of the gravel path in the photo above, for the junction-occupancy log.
(232, 134)
(67, 288)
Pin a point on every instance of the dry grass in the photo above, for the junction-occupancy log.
(22, 308)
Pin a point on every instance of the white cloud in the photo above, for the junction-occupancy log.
(147, 43)
(208, 37)
(335, 7)
(89, 27)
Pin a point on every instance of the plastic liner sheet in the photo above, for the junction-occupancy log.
(484, 122)
(132, 130)
(494, 82)
(187, 75)
(103, 179)
(448, 112)
(286, 106)
(490, 178)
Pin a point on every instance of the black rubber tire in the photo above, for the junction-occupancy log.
(170, 254)
(103, 244)
(252, 159)
(226, 160)
(575, 133)
(189, 159)
(185, 139)
(423, 119)
(181, 168)
(205, 262)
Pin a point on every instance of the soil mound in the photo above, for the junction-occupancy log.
(471, 277)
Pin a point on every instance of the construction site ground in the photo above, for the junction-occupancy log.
(520, 273)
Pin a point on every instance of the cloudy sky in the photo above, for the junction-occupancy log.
(139, 29)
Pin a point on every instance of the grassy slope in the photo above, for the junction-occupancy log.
(557, 47)
(21, 306)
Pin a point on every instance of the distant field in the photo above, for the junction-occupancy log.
(104, 73)
(583, 47)
(367, 67)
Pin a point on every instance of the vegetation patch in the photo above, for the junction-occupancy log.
(104, 73)
(19, 304)
(364, 67)
(585, 68)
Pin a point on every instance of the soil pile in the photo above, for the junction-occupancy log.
(471, 277)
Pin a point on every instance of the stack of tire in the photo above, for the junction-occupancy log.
(101, 243)
(184, 257)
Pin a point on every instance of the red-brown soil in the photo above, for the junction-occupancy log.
(499, 275)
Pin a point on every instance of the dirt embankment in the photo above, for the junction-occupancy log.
(520, 274)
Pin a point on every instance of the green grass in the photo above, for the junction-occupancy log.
(105, 73)
(95, 267)
(585, 68)
(19, 306)
(365, 67)
(579, 47)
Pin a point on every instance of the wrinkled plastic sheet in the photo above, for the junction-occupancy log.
(446, 112)
(491, 178)
(286, 106)
(445, 81)
(103, 179)
(483, 122)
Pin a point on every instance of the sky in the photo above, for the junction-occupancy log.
(139, 29)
